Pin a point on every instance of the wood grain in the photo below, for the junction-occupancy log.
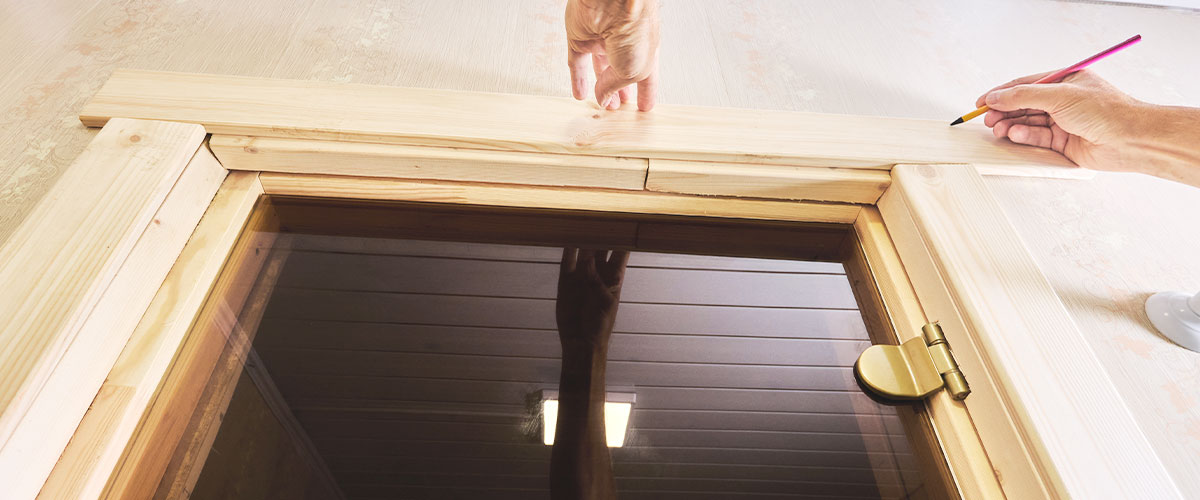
(193, 449)
(214, 329)
(942, 418)
(96, 447)
(1069, 416)
(425, 117)
(553, 198)
(767, 181)
(69, 298)
(300, 156)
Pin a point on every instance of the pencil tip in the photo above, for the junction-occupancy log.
(956, 121)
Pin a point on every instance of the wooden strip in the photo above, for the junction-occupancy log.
(304, 156)
(73, 385)
(954, 431)
(554, 198)
(426, 117)
(1067, 413)
(67, 287)
(214, 330)
(844, 185)
(97, 445)
(192, 451)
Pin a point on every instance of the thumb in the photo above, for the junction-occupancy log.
(1048, 97)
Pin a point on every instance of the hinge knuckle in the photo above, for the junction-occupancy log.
(914, 369)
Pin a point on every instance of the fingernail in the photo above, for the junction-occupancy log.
(991, 98)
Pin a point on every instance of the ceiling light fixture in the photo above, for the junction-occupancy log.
(617, 407)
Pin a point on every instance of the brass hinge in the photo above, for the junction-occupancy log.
(912, 370)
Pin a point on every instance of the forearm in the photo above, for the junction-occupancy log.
(580, 465)
(1167, 144)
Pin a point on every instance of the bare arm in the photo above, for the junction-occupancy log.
(1097, 126)
(589, 289)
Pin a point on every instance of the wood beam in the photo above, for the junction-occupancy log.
(1074, 436)
(79, 273)
(306, 156)
(232, 105)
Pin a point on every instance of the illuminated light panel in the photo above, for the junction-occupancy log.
(616, 417)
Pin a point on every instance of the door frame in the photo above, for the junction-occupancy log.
(1043, 420)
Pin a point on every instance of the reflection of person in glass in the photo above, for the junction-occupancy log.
(589, 290)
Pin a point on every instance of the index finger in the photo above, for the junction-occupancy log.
(1019, 81)
(570, 255)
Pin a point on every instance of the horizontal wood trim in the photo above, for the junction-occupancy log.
(1066, 413)
(426, 117)
(304, 156)
(71, 292)
(844, 185)
(637, 202)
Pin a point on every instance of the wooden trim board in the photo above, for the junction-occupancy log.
(305, 156)
(632, 202)
(109, 424)
(77, 275)
(260, 107)
(847, 185)
(967, 462)
(971, 270)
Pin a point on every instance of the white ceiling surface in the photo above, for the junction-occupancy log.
(410, 363)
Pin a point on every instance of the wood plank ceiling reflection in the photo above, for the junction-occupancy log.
(410, 365)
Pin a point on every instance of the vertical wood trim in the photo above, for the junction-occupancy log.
(942, 418)
(190, 455)
(106, 428)
(971, 270)
(161, 428)
(77, 275)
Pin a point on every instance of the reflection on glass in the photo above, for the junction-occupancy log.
(416, 359)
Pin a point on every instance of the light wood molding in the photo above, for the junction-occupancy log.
(553, 198)
(234, 105)
(98, 444)
(1064, 417)
(846, 185)
(305, 156)
(952, 425)
(77, 275)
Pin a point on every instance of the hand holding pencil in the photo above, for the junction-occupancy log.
(1058, 75)
(1096, 125)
